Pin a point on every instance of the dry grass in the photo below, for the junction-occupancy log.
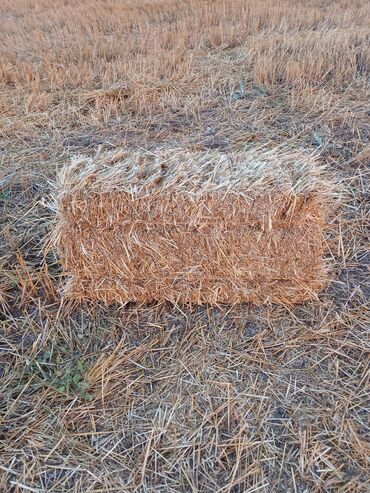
(174, 399)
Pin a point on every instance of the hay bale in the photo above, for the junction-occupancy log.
(193, 227)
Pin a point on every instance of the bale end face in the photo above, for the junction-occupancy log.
(193, 228)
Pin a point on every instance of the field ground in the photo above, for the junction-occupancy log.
(181, 399)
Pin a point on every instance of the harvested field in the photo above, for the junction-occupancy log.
(168, 397)
(194, 227)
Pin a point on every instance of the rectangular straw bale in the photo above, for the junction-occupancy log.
(201, 227)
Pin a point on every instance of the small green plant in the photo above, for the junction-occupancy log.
(3, 196)
(317, 139)
(61, 370)
(259, 91)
